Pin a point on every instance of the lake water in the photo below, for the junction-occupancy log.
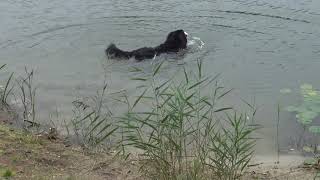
(259, 46)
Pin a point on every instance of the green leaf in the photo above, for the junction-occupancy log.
(107, 135)
(135, 69)
(306, 86)
(157, 68)
(292, 108)
(306, 117)
(308, 91)
(314, 129)
(311, 161)
(225, 93)
(139, 79)
(5, 91)
(307, 149)
(315, 108)
(86, 117)
(139, 98)
(285, 91)
(223, 109)
(185, 75)
(198, 83)
(2, 66)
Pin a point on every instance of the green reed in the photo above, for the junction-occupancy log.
(92, 123)
(6, 90)
(182, 133)
(27, 96)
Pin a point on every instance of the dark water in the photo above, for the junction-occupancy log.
(259, 46)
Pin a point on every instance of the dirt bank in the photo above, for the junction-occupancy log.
(26, 156)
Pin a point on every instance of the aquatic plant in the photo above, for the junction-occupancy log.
(309, 109)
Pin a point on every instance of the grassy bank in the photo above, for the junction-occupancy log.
(27, 156)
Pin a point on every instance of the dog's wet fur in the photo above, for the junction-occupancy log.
(176, 41)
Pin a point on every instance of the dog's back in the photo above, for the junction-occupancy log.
(144, 53)
(113, 52)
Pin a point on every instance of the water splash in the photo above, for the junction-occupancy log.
(194, 44)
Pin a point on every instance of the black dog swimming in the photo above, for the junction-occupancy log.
(175, 41)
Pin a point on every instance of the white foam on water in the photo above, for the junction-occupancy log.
(194, 44)
(154, 57)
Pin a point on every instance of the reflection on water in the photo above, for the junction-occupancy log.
(259, 46)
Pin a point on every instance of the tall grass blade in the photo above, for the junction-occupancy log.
(157, 68)
(224, 94)
(139, 79)
(2, 66)
(107, 135)
(5, 91)
(139, 98)
(197, 84)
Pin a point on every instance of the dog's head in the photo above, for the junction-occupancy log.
(177, 39)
